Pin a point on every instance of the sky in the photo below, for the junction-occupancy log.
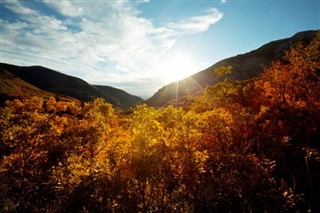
(141, 45)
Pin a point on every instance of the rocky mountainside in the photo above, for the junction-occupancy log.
(245, 66)
(55, 82)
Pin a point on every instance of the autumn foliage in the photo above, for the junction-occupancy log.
(243, 146)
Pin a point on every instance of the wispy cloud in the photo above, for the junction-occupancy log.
(66, 8)
(197, 24)
(109, 42)
(17, 8)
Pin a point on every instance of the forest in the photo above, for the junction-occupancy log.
(241, 146)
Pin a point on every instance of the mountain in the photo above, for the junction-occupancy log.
(124, 99)
(58, 83)
(245, 66)
(13, 87)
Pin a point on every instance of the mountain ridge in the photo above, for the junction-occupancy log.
(58, 83)
(245, 66)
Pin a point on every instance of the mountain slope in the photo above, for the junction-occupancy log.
(59, 83)
(245, 66)
(13, 87)
(55, 82)
(124, 99)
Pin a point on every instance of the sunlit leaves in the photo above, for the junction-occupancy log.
(246, 146)
(223, 70)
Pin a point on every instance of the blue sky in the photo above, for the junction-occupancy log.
(142, 45)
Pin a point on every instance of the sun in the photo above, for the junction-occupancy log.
(177, 67)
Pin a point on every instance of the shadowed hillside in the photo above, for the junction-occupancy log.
(123, 99)
(13, 87)
(55, 82)
(245, 66)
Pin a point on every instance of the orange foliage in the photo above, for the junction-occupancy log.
(246, 146)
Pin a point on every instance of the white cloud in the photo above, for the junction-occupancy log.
(223, 1)
(66, 8)
(197, 24)
(17, 8)
(113, 44)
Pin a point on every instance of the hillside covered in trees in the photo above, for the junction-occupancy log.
(242, 146)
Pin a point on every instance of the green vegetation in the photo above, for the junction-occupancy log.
(243, 146)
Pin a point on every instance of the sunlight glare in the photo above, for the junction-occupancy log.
(177, 67)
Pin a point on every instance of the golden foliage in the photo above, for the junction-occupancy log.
(223, 70)
(243, 146)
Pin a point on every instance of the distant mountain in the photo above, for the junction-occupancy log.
(245, 66)
(124, 99)
(59, 83)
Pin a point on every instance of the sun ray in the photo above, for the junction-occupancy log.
(195, 82)
(177, 93)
